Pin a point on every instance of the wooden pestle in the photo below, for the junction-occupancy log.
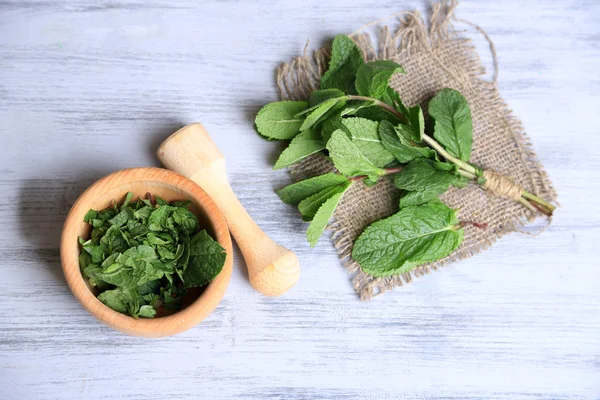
(272, 268)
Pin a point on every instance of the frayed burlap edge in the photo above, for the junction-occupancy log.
(296, 80)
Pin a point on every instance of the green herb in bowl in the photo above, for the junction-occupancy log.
(143, 255)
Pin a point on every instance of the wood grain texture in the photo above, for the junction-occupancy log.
(90, 87)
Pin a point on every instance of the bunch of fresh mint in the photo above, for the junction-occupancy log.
(142, 256)
(361, 124)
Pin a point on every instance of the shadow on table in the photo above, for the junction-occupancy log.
(43, 207)
(43, 204)
(159, 135)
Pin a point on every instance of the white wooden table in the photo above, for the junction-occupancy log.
(90, 87)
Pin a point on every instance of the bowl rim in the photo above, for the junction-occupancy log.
(155, 327)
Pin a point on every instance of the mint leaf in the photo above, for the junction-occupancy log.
(323, 215)
(118, 275)
(309, 206)
(207, 258)
(147, 311)
(416, 128)
(331, 125)
(136, 229)
(407, 132)
(352, 108)
(367, 109)
(365, 136)
(417, 121)
(322, 111)
(400, 147)
(372, 78)
(296, 192)
(139, 252)
(376, 113)
(132, 300)
(96, 252)
(150, 287)
(420, 197)
(369, 182)
(160, 201)
(277, 120)
(453, 123)
(417, 197)
(84, 260)
(90, 216)
(121, 218)
(319, 96)
(127, 200)
(348, 159)
(142, 214)
(392, 98)
(305, 144)
(422, 174)
(346, 58)
(425, 180)
(114, 299)
(460, 181)
(413, 236)
(158, 219)
(113, 240)
(185, 220)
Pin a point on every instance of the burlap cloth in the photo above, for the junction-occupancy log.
(434, 58)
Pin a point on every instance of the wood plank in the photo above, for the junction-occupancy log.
(89, 87)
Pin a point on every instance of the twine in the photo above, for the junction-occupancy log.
(502, 186)
(491, 44)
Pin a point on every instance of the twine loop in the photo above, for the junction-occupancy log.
(501, 185)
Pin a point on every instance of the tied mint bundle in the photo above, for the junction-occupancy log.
(361, 121)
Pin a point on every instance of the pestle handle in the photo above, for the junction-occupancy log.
(272, 268)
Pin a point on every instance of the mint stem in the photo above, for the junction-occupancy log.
(381, 104)
(461, 164)
(357, 178)
(527, 204)
(393, 170)
(387, 171)
(149, 197)
(467, 174)
(479, 225)
(539, 207)
(539, 200)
